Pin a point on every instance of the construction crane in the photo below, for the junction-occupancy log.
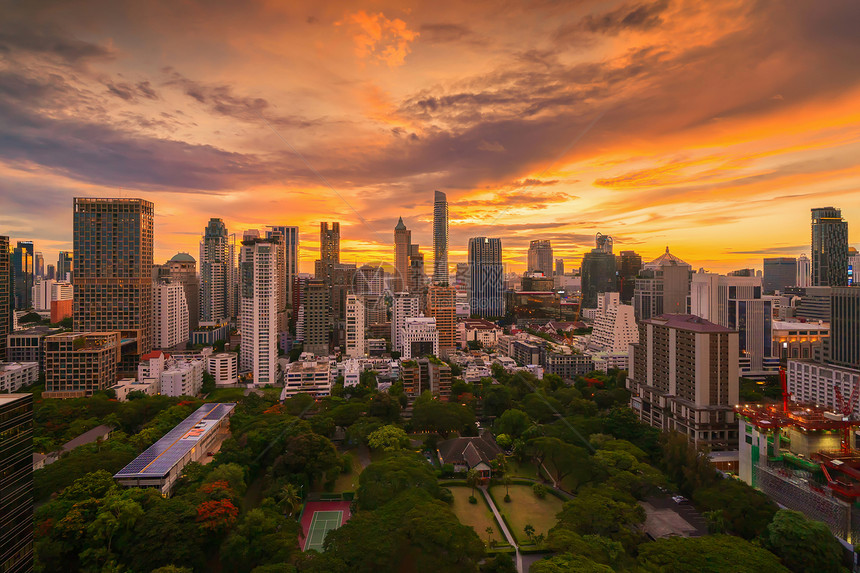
(847, 411)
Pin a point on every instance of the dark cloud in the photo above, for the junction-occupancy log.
(444, 32)
(642, 16)
(131, 92)
(47, 41)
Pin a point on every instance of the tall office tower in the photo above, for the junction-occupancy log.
(419, 337)
(5, 295)
(16, 483)
(50, 272)
(843, 345)
(779, 273)
(486, 277)
(23, 275)
(170, 313)
(403, 307)
(259, 298)
(440, 238)
(441, 305)
(182, 268)
(217, 274)
(402, 242)
(39, 265)
(829, 247)
(737, 303)
(355, 339)
(559, 267)
(804, 272)
(416, 278)
(330, 242)
(65, 265)
(663, 287)
(540, 257)
(317, 317)
(113, 282)
(598, 271)
(290, 239)
(629, 265)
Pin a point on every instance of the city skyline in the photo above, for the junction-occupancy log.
(595, 121)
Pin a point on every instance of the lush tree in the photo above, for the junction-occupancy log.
(803, 544)
(382, 480)
(711, 553)
(561, 459)
(746, 511)
(232, 474)
(504, 441)
(307, 454)
(512, 422)
(385, 407)
(262, 537)
(595, 512)
(501, 563)
(434, 415)
(569, 563)
(172, 569)
(473, 478)
(623, 423)
(540, 407)
(217, 515)
(388, 438)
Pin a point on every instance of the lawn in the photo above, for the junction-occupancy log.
(226, 395)
(349, 482)
(525, 469)
(527, 508)
(477, 516)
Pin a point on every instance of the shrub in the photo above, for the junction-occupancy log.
(508, 497)
(447, 470)
(540, 490)
(473, 499)
(446, 495)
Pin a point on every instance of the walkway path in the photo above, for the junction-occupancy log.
(504, 528)
(363, 456)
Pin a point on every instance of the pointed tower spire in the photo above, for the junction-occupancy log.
(400, 226)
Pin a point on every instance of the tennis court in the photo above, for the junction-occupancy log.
(321, 524)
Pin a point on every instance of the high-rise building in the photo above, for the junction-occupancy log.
(182, 269)
(290, 240)
(170, 315)
(5, 295)
(23, 274)
(614, 325)
(42, 290)
(843, 345)
(355, 339)
(604, 243)
(462, 278)
(317, 318)
(217, 274)
(629, 265)
(684, 377)
(402, 242)
(416, 278)
(16, 483)
(113, 284)
(559, 267)
(281, 303)
(804, 272)
(779, 273)
(420, 337)
(540, 257)
(829, 247)
(50, 272)
(441, 305)
(258, 270)
(424, 375)
(662, 287)
(403, 307)
(65, 265)
(39, 264)
(486, 277)
(330, 242)
(80, 363)
(440, 238)
(598, 271)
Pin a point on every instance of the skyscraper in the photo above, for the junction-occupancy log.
(5, 295)
(598, 271)
(16, 483)
(540, 257)
(317, 317)
(662, 287)
(217, 274)
(804, 272)
(182, 268)
(65, 265)
(829, 247)
(843, 345)
(170, 315)
(290, 240)
(50, 272)
(779, 273)
(486, 277)
(440, 238)
(402, 242)
(629, 265)
(416, 278)
(559, 267)
(281, 304)
(39, 264)
(259, 299)
(441, 305)
(330, 242)
(355, 339)
(113, 283)
(23, 275)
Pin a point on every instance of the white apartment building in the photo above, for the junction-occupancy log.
(224, 367)
(355, 339)
(182, 378)
(309, 376)
(614, 326)
(16, 375)
(151, 365)
(149, 386)
(170, 315)
(419, 337)
(815, 383)
(47, 290)
(258, 300)
(404, 307)
(351, 373)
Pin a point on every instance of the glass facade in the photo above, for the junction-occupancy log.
(16, 483)
(829, 247)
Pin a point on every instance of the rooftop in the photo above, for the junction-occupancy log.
(666, 259)
(689, 322)
(6, 398)
(182, 258)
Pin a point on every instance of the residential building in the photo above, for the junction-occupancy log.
(662, 287)
(16, 483)
(224, 367)
(28, 345)
(425, 375)
(308, 375)
(17, 375)
(281, 303)
(113, 242)
(843, 346)
(149, 386)
(80, 363)
(441, 306)
(182, 269)
(152, 365)
(402, 241)
(355, 338)
(5, 295)
(290, 241)
(440, 238)
(420, 337)
(404, 306)
(568, 365)
(330, 242)
(526, 353)
(376, 347)
(192, 440)
(486, 277)
(65, 266)
(258, 296)
(209, 333)
(471, 453)
(218, 277)
(629, 265)
(478, 330)
(182, 378)
(614, 326)
(829, 247)
(23, 275)
(540, 257)
(317, 318)
(170, 314)
(779, 273)
(684, 377)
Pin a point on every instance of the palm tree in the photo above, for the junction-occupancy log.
(472, 478)
(507, 481)
(489, 531)
(290, 498)
(529, 530)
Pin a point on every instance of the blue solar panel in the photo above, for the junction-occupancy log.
(160, 457)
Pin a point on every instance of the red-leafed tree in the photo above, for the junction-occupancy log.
(217, 515)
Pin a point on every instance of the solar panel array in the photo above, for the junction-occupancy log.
(160, 457)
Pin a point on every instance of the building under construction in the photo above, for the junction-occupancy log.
(804, 458)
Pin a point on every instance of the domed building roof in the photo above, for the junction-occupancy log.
(182, 258)
(667, 259)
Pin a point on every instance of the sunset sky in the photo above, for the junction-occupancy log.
(710, 127)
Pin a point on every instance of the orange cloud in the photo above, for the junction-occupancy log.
(380, 38)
